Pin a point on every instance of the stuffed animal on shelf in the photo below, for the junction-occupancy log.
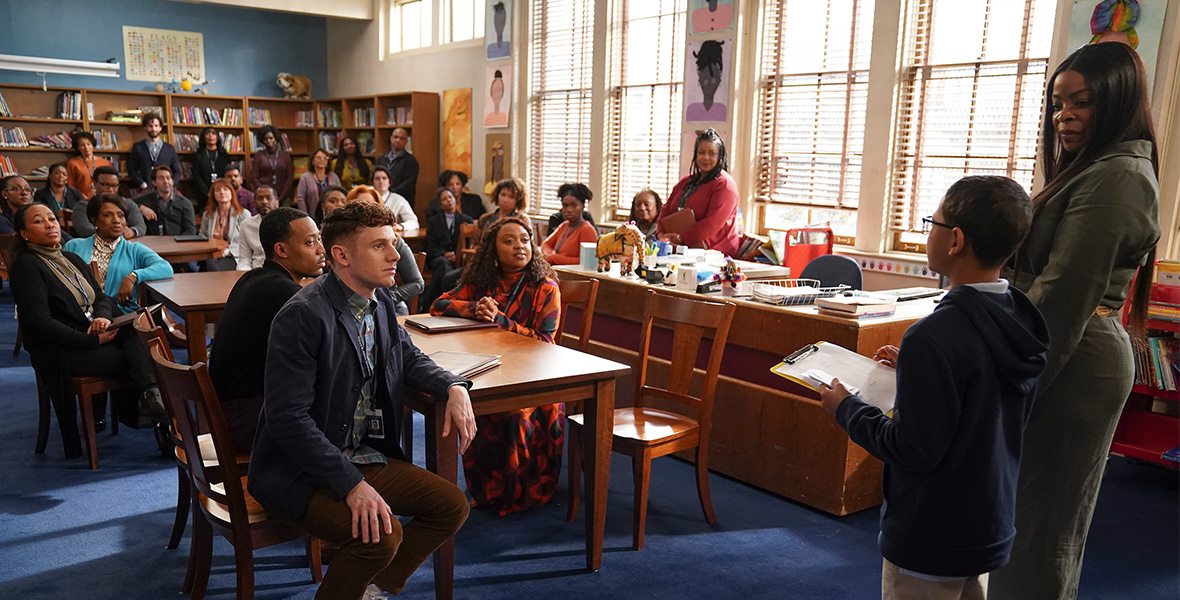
(620, 245)
(295, 86)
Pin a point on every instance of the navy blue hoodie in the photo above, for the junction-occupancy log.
(966, 378)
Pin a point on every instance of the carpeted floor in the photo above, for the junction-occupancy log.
(68, 532)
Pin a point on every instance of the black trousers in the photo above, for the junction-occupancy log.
(125, 358)
(445, 277)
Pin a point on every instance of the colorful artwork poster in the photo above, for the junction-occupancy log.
(163, 54)
(707, 16)
(688, 138)
(498, 33)
(456, 130)
(706, 81)
(499, 153)
(1138, 23)
(497, 95)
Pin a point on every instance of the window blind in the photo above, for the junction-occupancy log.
(971, 98)
(645, 101)
(560, 60)
(813, 86)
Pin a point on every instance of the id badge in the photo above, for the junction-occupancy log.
(375, 423)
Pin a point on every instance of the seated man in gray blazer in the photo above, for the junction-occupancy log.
(326, 454)
(106, 180)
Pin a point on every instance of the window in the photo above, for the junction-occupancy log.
(409, 24)
(813, 87)
(645, 101)
(560, 63)
(463, 20)
(971, 97)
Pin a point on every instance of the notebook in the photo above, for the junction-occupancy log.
(190, 237)
(465, 364)
(440, 324)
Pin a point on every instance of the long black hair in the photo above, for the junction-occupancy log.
(362, 166)
(1121, 112)
(483, 271)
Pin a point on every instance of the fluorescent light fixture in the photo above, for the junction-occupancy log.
(12, 62)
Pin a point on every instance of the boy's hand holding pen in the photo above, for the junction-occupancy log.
(887, 355)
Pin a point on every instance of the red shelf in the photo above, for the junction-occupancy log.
(1147, 390)
(1146, 435)
(1162, 325)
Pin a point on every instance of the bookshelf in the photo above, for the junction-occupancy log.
(36, 113)
(1149, 425)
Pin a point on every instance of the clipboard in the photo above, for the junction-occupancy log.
(876, 382)
(465, 364)
(678, 221)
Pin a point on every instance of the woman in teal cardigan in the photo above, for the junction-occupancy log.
(120, 264)
(1095, 227)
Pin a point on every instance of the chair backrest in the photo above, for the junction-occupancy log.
(6, 242)
(149, 333)
(832, 270)
(467, 241)
(581, 294)
(690, 320)
(189, 395)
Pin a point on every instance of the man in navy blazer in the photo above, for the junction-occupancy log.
(147, 153)
(326, 455)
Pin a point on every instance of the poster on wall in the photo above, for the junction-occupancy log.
(498, 150)
(707, 16)
(498, 33)
(163, 54)
(456, 130)
(497, 95)
(688, 138)
(706, 91)
(1137, 23)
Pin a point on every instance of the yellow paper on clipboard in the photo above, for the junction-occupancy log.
(876, 383)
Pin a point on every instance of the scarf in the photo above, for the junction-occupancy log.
(100, 257)
(68, 274)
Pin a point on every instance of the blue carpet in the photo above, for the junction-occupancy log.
(68, 532)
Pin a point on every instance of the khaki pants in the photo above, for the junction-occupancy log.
(896, 585)
(438, 509)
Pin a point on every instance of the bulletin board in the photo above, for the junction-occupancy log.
(163, 54)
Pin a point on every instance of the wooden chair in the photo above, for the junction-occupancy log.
(581, 294)
(224, 504)
(468, 241)
(420, 260)
(83, 389)
(646, 433)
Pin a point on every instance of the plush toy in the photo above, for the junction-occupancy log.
(295, 86)
(729, 277)
(621, 245)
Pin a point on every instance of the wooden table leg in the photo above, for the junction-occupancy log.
(442, 458)
(194, 328)
(599, 428)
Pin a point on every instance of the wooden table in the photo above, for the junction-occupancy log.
(767, 431)
(181, 252)
(533, 374)
(198, 297)
(415, 239)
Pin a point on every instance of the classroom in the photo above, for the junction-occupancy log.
(840, 150)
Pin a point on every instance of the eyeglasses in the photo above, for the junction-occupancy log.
(24, 190)
(928, 223)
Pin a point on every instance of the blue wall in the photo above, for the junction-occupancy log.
(244, 48)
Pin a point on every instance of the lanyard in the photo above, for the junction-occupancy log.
(213, 163)
(568, 231)
(76, 284)
(515, 291)
(274, 162)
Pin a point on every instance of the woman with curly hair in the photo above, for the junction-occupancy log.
(515, 459)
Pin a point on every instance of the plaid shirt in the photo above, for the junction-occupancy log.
(362, 309)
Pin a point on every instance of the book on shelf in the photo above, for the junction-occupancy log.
(106, 140)
(155, 110)
(231, 117)
(186, 171)
(40, 172)
(330, 117)
(132, 115)
(69, 105)
(299, 166)
(186, 142)
(329, 140)
(259, 117)
(364, 117)
(305, 118)
(402, 115)
(61, 140)
(7, 167)
(366, 142)
(13, 137)
(4, 112)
